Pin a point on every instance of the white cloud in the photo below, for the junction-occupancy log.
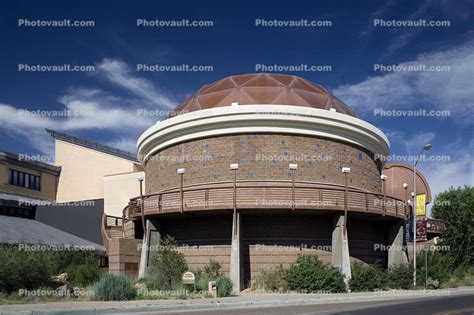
(451, 90)
(118, 72)
(91, 109)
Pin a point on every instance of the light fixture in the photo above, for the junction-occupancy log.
(427, 147)
(234, 166)
(383, 177)
(293, 166)
(405, 185)
(346, 170)
(140, 178)
(180, 170)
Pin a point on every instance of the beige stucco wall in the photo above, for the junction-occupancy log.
(118, 189)
(83, 171)
(48, 183)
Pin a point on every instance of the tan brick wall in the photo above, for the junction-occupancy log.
(124, 256)
(262, 157)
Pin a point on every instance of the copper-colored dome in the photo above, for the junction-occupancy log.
(263, 88)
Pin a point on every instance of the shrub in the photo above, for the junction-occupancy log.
(149, 282)
(168, 265)
(224, 286)
(400, 277)
(112, 287)
(440, 266)
(23, 269)
(310, 274)
(85, 273)
(212, 270)
(366, 278)
(272, 280)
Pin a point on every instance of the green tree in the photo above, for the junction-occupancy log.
(168, 265)
(456, 208)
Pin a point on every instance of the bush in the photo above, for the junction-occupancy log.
(85, 273)
(224, 286)
(366, 278)
(149, 282)
(310, 274)
(400, 277)
(23, 269)
(440, 266)
(272, 280)
(112, 287)
(168, 265)
(212, 270)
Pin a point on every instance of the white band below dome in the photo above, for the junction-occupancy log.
(244, 119)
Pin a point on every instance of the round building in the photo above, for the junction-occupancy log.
(254, 169)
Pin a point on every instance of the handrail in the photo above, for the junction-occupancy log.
(200, 186)
(361, 203)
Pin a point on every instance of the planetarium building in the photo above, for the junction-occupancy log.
(254, 169)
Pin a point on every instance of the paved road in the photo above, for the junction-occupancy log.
(455, 305)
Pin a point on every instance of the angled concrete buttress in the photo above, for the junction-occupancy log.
(397, 250)
(340, 247)
(236, 273)
(149, 247)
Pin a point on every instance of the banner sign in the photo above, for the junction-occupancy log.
(421, 204)
(421, 230)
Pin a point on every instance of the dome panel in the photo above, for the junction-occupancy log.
(262, 88)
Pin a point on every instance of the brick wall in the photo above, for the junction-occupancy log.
(262, 157)
(124, 256)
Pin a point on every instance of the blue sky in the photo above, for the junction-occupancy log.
(234, 45)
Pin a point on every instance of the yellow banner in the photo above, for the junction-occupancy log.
(421, 204)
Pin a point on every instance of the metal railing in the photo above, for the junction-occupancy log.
(266, 195)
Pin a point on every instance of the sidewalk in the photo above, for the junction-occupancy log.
(240, 301)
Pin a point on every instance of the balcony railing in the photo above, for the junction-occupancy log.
(265, 195)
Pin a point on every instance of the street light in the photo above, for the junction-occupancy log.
(346, 171)
(140, 179)
(383, 178)
(181, 172)
(426, 147)
(293, 167)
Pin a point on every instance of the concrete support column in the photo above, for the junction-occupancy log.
(151, 241)
(236, 263)
(340, 247)
(397, 250)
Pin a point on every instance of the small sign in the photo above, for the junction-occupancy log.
(188, 278)
(421, 230)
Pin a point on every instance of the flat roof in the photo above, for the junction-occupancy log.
(93, 145)
(15, 159)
